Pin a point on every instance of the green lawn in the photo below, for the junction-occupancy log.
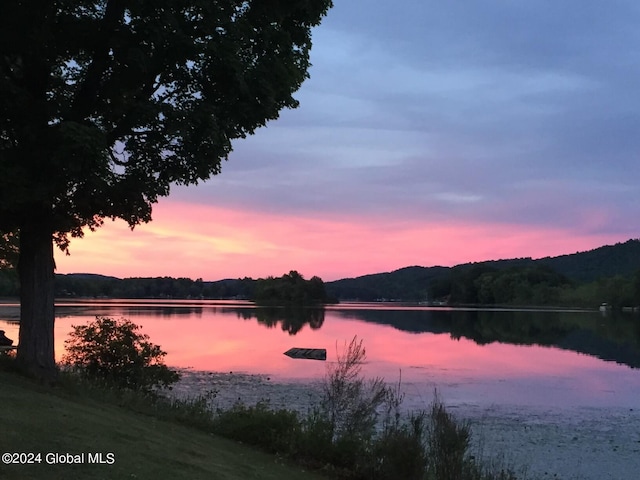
(40, 420)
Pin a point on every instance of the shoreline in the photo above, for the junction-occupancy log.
(589, 443)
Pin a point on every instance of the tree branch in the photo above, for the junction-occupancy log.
(87, 95)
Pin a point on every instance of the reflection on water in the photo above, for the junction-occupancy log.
(499, 356)
(615, 337)
(290, 319)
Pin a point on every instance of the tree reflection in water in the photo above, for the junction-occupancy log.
(291, 318)
(615, 338)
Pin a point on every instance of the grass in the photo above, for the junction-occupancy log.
(40, 419)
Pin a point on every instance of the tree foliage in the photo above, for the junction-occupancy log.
(290, 289)
(104, 104)
(409, 284)
(90, 285)
(114, 351)
(8, 260)
(9, 250)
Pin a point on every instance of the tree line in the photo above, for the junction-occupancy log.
(290, 289)
(476, 285)
(96, 286)
(536, 285)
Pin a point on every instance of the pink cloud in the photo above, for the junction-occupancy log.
(199, 241)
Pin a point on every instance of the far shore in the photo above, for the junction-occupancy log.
(7, 302)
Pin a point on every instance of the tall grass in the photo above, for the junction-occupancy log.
(351, 403)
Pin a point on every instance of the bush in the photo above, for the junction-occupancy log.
(276, 431)
(400, 450)
(315, 446)
(115, 352)
(447, 444)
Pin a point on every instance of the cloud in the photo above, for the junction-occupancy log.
(434, 119)
(213, 243)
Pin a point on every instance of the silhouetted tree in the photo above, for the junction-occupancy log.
(104, 104)
(290, 289)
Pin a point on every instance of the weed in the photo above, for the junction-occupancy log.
(350, 402)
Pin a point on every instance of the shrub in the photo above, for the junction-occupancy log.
(315, 446)
(447, 443)
(400, 450)
(115, 352)
(276, 431)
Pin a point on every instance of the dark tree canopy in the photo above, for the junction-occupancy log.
(290, 289)
(9, 250)
(104, 104)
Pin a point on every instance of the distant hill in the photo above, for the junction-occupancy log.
(416, 283)
(406, 283)
(587, 266)
(607, 261)
(88, 276)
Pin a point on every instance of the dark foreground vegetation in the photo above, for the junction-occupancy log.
(357, 431)
(108, 104)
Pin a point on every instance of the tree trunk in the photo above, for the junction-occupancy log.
(36, 270)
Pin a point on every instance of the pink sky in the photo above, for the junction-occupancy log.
(212, 243)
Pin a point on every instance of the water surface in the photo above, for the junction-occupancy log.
(483, 357)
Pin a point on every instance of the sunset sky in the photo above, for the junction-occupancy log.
(436, 133)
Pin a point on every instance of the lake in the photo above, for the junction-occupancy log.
(500, 356)
(555, 394)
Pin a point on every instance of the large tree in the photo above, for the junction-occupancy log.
(104, 104)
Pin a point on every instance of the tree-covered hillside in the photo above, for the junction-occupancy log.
(607, 261)
(606, 274)
(409, 283)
